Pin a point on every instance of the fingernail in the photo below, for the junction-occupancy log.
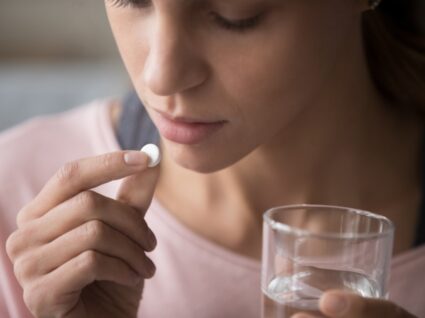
(135, 158)
(335, 304)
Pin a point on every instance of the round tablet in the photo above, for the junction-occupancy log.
(153, 153)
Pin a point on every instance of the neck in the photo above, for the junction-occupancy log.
(373, 168)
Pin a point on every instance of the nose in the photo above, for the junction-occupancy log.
(173, 64)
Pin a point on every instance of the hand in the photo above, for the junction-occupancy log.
(341, 304)
(79, 254)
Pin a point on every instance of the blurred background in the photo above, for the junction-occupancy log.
(55, 55)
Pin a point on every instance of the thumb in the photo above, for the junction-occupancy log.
(138, 189)
(342, 304)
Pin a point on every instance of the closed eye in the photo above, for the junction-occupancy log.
(130, 3)
(239, 25)
(236, 25)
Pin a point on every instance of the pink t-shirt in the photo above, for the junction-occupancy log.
(195, 277)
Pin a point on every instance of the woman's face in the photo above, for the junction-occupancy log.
(220, 78)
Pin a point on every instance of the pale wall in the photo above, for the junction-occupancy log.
(63, 28)
(55, 55)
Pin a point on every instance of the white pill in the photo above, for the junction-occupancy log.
(153, 153)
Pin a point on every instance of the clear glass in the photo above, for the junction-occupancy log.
(308, 249)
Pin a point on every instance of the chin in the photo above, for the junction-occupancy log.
(201, 164)
(201, 159)
(201, 167)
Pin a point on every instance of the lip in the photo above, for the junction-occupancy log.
(185, 130)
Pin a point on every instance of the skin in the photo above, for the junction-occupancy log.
(272, 108)
(86, 256)
(299, 75)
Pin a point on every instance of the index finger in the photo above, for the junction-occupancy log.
(81, 175)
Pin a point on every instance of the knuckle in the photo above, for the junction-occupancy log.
(93, 230)
(88, 260)
(21, 269)
(23, 215)
(68, 172)
(21, 219)
(18, 241)
(107, 160)
(18, 271)
(12, 248)
(87, 200)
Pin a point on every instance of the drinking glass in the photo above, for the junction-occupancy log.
(308, 249)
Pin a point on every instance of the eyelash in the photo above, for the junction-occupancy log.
(130, 3)
(231, 25)
(237, 25)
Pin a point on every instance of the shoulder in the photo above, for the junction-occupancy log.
(45, 140)
(40, 130)
(31, 152)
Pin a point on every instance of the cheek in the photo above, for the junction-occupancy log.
(278, 75)
(131, 40)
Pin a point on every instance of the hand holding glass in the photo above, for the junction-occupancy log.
(308, 249)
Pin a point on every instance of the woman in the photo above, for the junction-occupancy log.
(257, 104)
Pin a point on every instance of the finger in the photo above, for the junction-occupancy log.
(89, 206)
(92, 266)
(63, 286)
(96, 236)
(85, 207)
(137, 190)
(81, 175)
(342, 304)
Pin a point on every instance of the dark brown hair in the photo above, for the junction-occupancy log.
(395, 49)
